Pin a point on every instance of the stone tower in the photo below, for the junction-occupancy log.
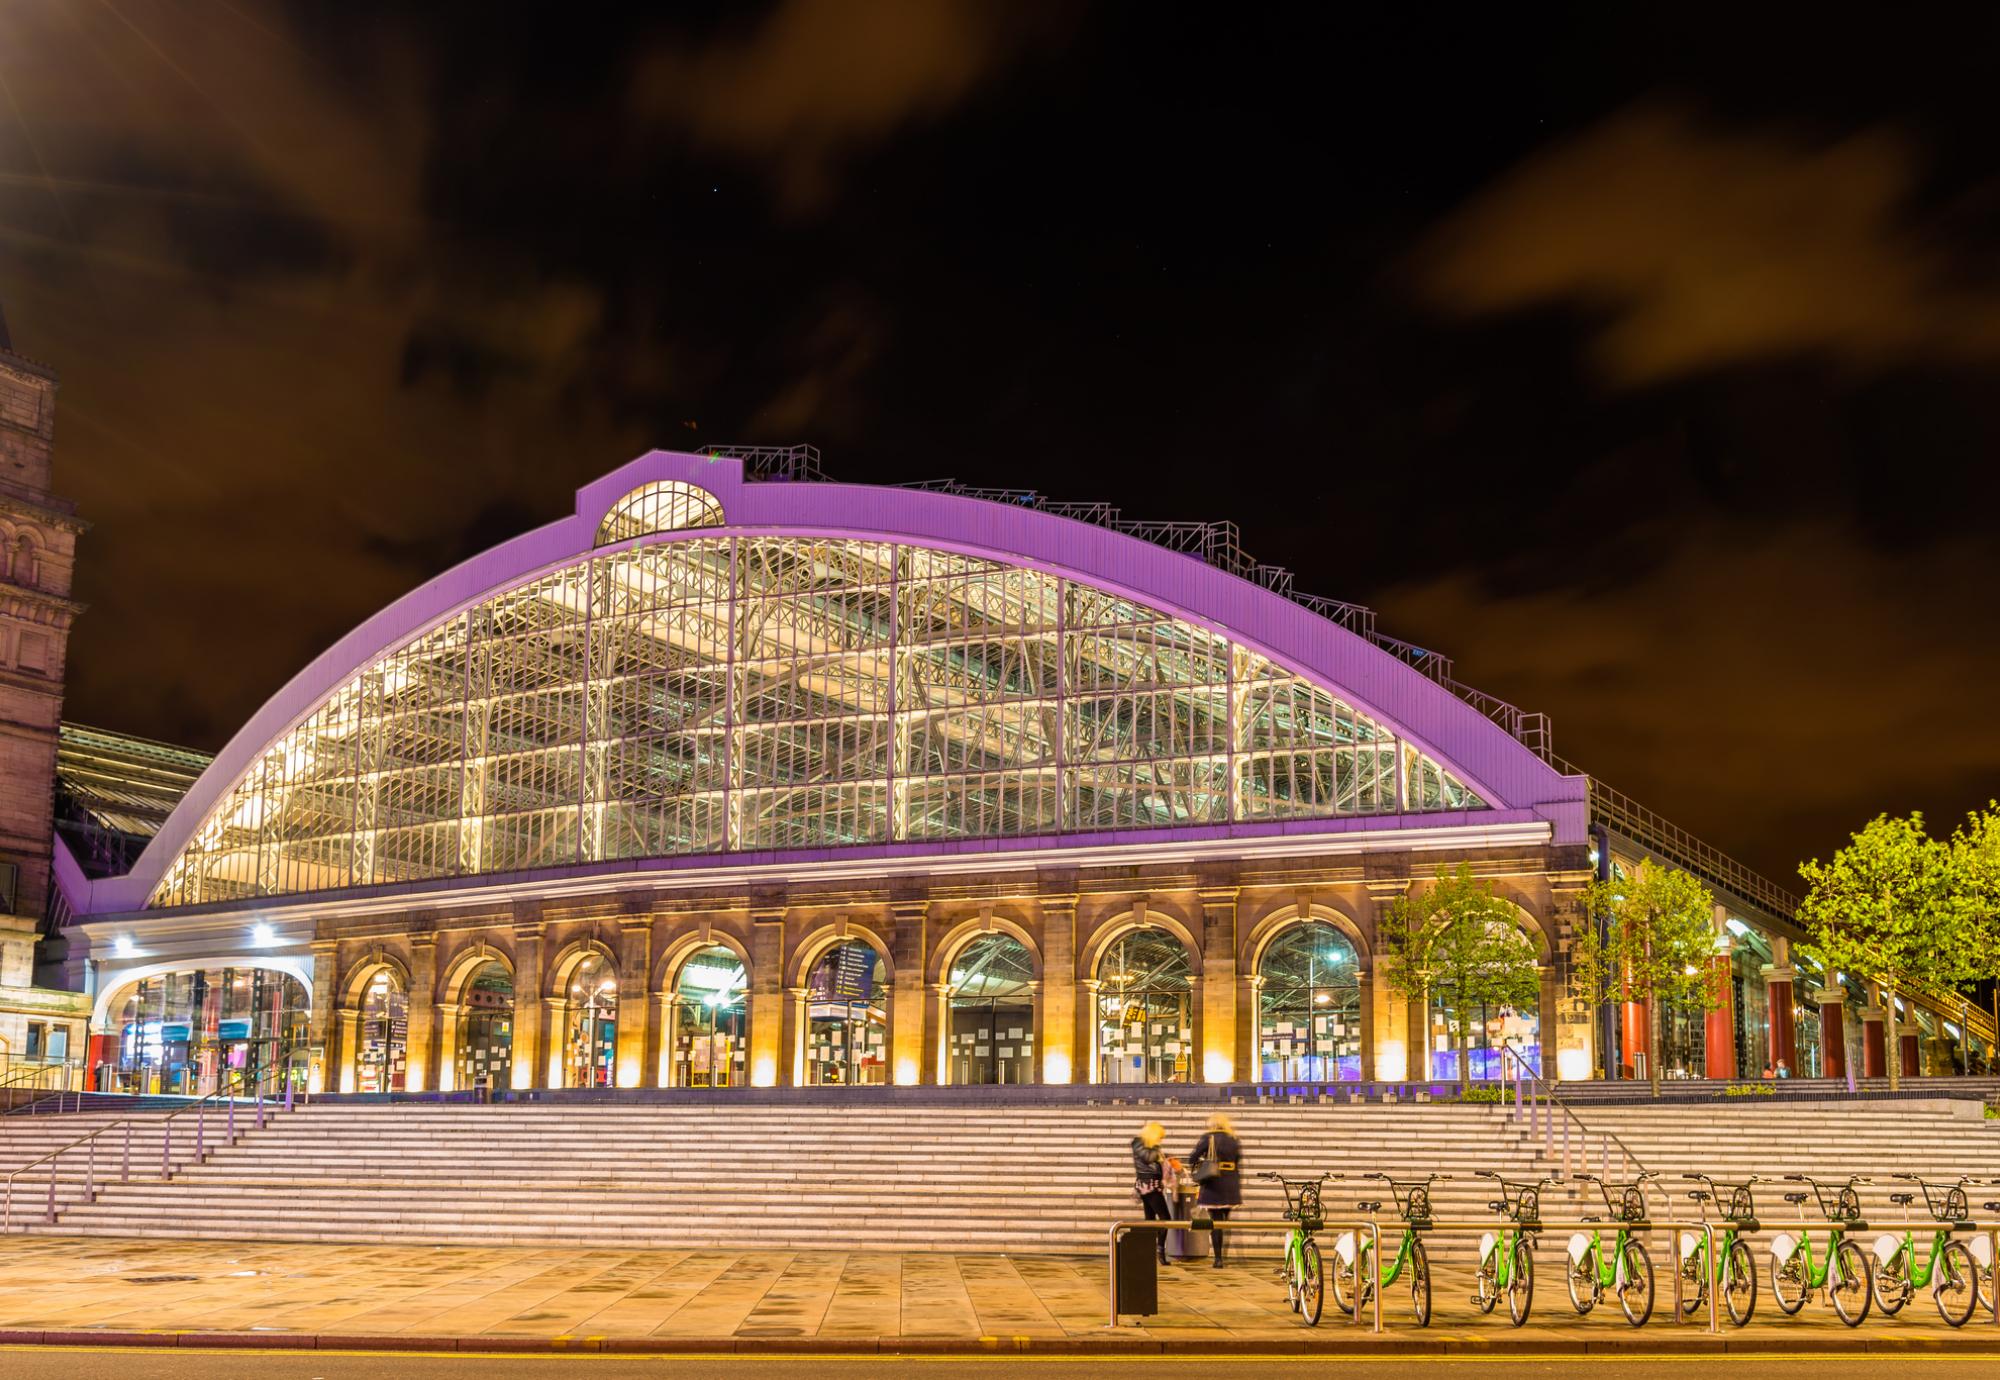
(38, 533)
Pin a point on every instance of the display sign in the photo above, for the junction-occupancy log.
(233, 1030)
(172, 1031)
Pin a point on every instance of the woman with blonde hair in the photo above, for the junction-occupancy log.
(1149, 1178)
(1218, 1168)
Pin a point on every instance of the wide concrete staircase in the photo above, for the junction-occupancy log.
(1016, 1178)
(896, 1177)
(25, 1141)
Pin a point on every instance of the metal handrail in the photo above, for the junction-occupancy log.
(231, 1093)
(1542, 1103)
(22, 1079)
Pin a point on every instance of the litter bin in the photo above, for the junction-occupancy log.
(1137, 1273)
(1184, 1243)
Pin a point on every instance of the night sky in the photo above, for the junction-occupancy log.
(1648, 367)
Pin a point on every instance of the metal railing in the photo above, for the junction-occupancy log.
(1536, 1104)
(59, 1076)
(221, 1104)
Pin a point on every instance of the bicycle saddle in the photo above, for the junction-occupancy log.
(1371, 1205)
(1699, 1196)
(1902, 1199)
(1496, 1206)
(1991, 1207)
(1591, 1217)
(1795, 1198)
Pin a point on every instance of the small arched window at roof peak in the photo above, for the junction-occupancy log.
(666, 506)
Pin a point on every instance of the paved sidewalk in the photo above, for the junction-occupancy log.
(63, 1290)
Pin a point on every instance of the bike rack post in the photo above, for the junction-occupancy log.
(1566, 1173)
(125, 1174)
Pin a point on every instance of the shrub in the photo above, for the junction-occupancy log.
(1751, 1090)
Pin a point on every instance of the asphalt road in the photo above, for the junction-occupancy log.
(59, 1363)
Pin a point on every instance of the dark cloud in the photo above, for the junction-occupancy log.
(1697, 246)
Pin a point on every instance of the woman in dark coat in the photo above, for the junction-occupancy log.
(1225, 1190)
(1149, 1168)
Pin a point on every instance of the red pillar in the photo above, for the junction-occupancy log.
(1632, 1033)
(1720, 1044)
(1832, 1036)
(1784, 1033)
(1874, 1047)
(1913, 1064)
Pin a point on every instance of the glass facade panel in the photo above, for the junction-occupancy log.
(192, 1033)
(847, 1017)
(590, 1045)
(486, 1029)
(710, 1038)
(991, 1034)
(1309, 1006)
(1145, 1010)
(381, 1055)
(703, 694)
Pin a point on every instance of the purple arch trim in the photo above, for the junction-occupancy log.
(1510, 778)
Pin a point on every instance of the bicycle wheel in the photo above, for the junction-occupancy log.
(1892, 1283)
(1485, 1282)
(1956, 1287)
(1312, 1282)
(1635, 1288)
(1694, 1280)
(1521, 1288)
(1739, 1282)
(1344, 1274)
(1849, 1282)
(1788, 1279)
(1420, 1283)
(1582, 1280)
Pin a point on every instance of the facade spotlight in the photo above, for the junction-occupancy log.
(122, 946)
(262, 936)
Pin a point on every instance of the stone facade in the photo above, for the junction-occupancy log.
(1223, 915)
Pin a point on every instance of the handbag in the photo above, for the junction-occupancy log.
(1207, 1168)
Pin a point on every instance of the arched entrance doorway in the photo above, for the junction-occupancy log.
(990, 1037)
(382, 1035)
(1491, 1029)
(196, 1032)
(1145, 1010)
(711, 1028)
(1309, 1006)
(847, 1016)
(590, 1045)
(486, 1028)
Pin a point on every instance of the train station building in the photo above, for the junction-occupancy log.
(739, 777)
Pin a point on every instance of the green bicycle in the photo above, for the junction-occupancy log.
(1627, 1270)
(1733, 1273)
(1353, 1254)
(1305, 1275)
(1843, 1272)
(1507, 1259)
(1948, 1269)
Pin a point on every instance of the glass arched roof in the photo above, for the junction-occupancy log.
(720, 694)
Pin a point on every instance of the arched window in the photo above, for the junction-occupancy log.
(486, 1028)
(1309, 1006)
(991, 1034)
(1145, 1010)
(380, 1055)
(25, 567)
(710, 1037)
(669, 506)
(847, 1017)
(590, 1049)
(1490, 1029)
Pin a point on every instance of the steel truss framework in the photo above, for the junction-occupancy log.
(710, 694)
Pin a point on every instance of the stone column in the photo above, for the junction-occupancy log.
(1874, 1044)
(447, 1048)
(529, 1039)
(1387, 1051)
(909, 947)
(555, 1025)
(937, 1050)
(1056, 1009)
(770, 1056)
(328, 1050)
(349, 1022)
(1250, 1021)
(660, 1058)
(420, 1039)
(636, 1031)
(1217, 1037)
(1832, 1031)
(1093, 1067)
(795, 1036)
(1548, 1020)
(1719, 1033)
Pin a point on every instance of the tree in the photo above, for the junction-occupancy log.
(1657, 946)
(1975, 870)
(1885, 908)
(1458, 942)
